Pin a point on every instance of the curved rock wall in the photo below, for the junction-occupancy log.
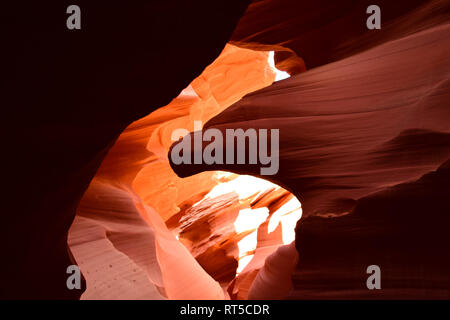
(369, 131)
(136, 199)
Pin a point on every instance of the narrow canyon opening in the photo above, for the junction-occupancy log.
(141, 232)
(234, 227)
(362, 136)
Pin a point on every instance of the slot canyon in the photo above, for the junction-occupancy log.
(364, 151)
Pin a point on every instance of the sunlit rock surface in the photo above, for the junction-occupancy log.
(273, 281)
(160, 236)
(353, 127)
(67, 96)
(351, 132)
(364, 147)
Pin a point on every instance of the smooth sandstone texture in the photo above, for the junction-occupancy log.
(363, 140)
(66, 97)
(135, 209)
(352, 127)
(314, 33)
(275, 275)
(354, 131)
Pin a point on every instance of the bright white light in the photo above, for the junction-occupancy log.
(280, 75)
(244, 261)
(288, 223)
(287, 215)
(244, 186)
(249, 219)
(248, 188)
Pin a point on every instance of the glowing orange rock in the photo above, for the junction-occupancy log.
(137, 172)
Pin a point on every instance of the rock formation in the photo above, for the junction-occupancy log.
(364, 128)
(370, 128)
(69, 95)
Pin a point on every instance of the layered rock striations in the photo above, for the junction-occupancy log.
(364, 144)
(314, 33)
(67, 95)
(372, 128)
(141, 232)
